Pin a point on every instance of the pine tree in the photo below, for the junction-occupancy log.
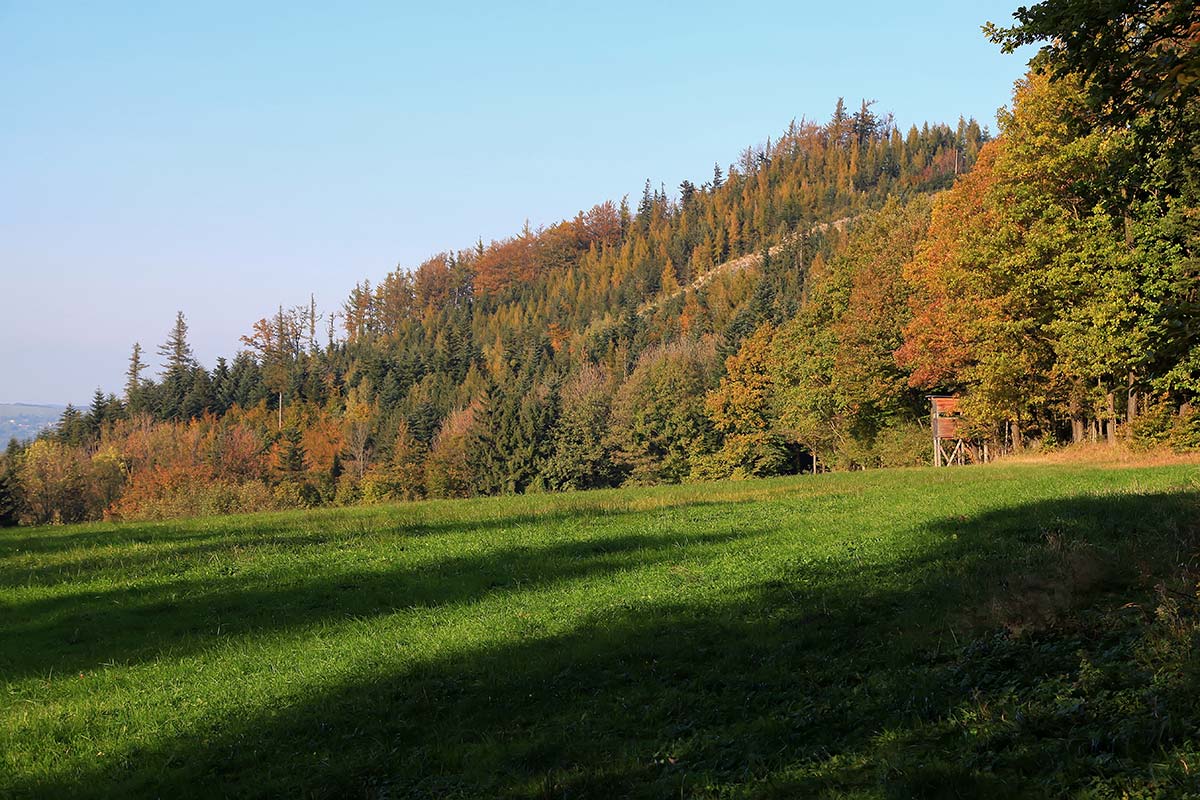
(98, 413)
(687, 191)
(176, 350)
(177, 369)
(839, 125)
(645, 208)
(222, 386)
(10, 488)
(293, 460)
(134, 385)
(200, 397)
(72, 427)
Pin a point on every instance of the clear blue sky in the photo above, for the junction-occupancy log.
(222, 158)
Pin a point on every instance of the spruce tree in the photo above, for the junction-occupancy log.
(292, 457)
(72, 427)
(645, 208)
(10, 487)
(98, 413)
(222, 386)
(687, 191)
(135, 400)
(177, 369)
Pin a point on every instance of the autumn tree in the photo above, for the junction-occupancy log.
(447, 468)
(741, 409)
(55, 483)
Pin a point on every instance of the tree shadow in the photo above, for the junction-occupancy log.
(321, 526)
(807, 683)
(175, 616)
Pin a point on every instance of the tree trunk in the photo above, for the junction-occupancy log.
(1077, 428)
(1131, 404)
(1112, 418)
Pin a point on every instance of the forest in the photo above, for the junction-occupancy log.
(790, 313)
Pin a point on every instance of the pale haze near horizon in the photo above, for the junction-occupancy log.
(224, 161)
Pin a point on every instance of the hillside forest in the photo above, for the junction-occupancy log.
(790, 312)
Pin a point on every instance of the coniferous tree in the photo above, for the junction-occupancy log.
(222, 386)
(293, 460)
(73, 428)
(135, 389)
(10, 487)
(200, 397)
(98, 414)
(645, 209)
(687, 190)
(177, 370)
(742, 410)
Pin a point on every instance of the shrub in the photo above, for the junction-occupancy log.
(185, 491)
(1153, 427)
(348, 491)
(743, 455)
(904, 444)
(293, 493)
(1185, 432)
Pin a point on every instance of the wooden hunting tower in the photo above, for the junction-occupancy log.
(945, 420)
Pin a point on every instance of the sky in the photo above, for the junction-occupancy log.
(225, 158)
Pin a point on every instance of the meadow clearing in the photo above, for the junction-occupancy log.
(1022, 629)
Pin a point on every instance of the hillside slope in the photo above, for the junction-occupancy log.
(23, 421)
(990, 631)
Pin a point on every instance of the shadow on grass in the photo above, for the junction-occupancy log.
(329, 524)
(70, 559)
(820, 681)
(173, 617)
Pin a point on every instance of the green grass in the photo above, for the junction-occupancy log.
(999, 631)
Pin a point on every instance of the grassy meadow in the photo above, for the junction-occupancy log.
(1022, 630)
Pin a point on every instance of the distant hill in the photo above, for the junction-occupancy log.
(25, 420)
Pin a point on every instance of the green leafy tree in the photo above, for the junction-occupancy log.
(659, 423)
(1137, 56)
(578, 457)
